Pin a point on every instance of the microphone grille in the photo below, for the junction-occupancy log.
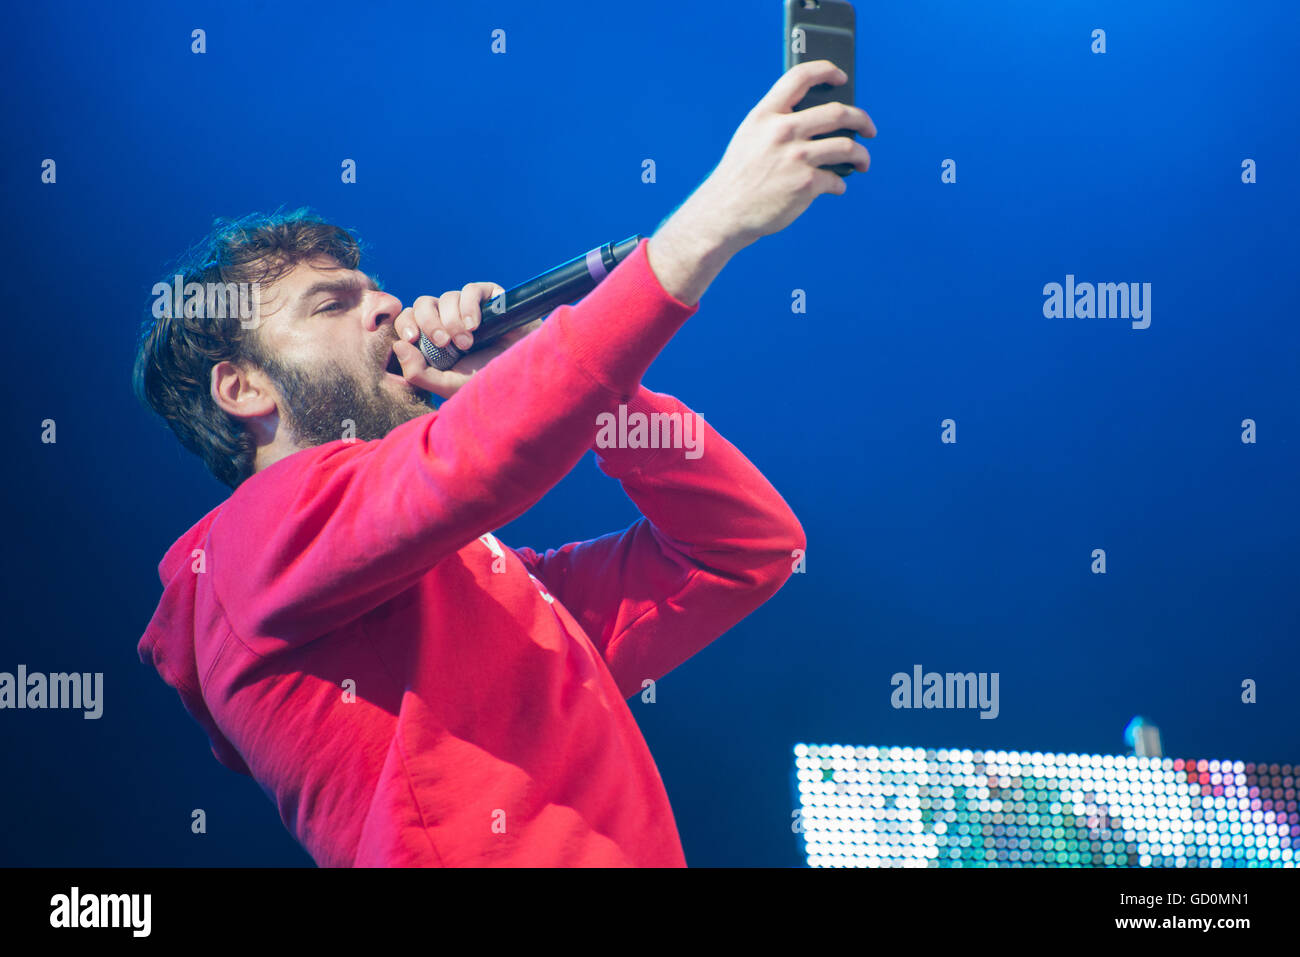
(437, 356)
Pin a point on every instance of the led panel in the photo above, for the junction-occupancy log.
(912, 807)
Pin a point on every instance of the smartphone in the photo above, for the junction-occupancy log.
(822, 30)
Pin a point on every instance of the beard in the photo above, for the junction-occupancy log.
(320, 401)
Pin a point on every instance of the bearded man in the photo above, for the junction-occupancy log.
(345, 626)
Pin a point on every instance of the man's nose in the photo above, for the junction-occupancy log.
(381, 309)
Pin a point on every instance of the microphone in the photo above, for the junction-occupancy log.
(536, 297)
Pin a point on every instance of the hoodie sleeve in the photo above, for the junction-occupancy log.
(168, 642)
(716, 541)
(309, 549)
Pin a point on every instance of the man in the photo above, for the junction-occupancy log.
(345, 627)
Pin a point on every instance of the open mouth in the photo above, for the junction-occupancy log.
(394, 367)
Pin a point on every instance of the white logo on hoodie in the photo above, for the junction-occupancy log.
(495, 548)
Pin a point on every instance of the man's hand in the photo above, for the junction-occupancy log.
(451, 317)
(765, 180)
(769, 174)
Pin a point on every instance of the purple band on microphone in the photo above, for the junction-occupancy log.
(596, 265)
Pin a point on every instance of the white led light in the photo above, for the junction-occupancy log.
(898, 807)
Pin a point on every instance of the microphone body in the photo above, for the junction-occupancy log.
(536, 297)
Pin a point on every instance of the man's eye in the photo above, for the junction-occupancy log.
(331, 306)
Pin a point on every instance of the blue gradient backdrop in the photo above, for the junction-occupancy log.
(924, 302)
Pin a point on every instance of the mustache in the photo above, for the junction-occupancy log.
(384, 347)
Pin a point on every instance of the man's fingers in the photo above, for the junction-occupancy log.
(797, 81)
(410, 358)
(460, 312)
(829, 117)
(427, 319)
(407, 325)
(417, 371)
(450, 318)
(472, 298)
(828, 182)
(837, 149)
(454, 314)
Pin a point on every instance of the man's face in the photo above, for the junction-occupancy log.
(324, 336)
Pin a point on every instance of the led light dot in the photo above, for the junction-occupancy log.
(870, 806)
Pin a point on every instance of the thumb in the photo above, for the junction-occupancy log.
(410, 358)
(420, 374)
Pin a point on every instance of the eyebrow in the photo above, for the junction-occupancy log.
(337, 286)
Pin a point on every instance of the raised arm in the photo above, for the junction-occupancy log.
(316, 547)
(716, 541)
(307, 549)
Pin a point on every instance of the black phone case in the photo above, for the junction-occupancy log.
(829, 27)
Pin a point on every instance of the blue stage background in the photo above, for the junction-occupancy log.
(924, 303)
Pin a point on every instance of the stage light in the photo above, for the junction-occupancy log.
(911, 807)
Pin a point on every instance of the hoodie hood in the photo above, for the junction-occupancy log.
(168, 641)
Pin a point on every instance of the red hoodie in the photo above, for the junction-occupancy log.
(410, 691)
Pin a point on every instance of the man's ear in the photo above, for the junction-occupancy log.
(242, 391)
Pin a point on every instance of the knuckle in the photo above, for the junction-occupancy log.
(449, 310)
(782, 129)
(425, 310)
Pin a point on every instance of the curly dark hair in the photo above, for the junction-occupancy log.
(176, 352)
